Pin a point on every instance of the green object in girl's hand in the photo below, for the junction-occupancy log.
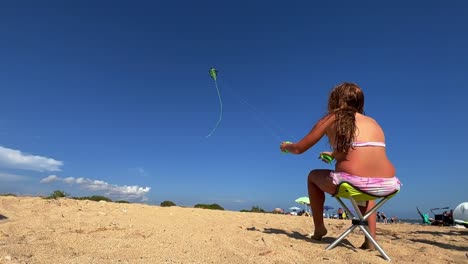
(327, 158)
(286, 142)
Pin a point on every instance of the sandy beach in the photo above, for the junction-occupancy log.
(37, 230)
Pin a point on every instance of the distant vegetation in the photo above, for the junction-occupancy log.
(60, 194)
(8, 194)
(167, 204)
(95, 198)
(255, 209)
(57, 194)
(209, 206)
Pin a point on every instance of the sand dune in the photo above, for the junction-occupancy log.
(36, 230)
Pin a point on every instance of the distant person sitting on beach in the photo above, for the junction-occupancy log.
(358, 144)
(450, 217)
(302, 212)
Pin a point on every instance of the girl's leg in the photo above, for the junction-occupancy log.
(371, 220)
(319, 182)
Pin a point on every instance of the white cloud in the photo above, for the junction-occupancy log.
(239, 201)
(229, 200)
(69, 180)
(141, 171)
(49, 179)
(120, 192)
(11, 177)
(15, 159)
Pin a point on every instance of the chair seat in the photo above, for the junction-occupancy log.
(347, 190)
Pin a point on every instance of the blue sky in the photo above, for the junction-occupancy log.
(114, 98)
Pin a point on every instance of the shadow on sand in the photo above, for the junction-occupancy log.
(299, 236)
(458, 232)
(441, 234)
(440, 244)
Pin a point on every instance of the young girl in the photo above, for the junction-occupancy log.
(358, 144)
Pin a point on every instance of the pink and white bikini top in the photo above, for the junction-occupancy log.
(368, 144)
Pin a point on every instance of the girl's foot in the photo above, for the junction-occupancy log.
(367, 245)
(318, 234)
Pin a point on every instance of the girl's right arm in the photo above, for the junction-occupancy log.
(316, 133)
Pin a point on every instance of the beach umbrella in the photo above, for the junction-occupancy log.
(303, 200)
(460, 214)
(442, 208)
(326, 208)
(278, 210)
(294, 208)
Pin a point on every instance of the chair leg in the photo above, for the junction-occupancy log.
(372, 240)
(376, 207)
(364, 229)
(338, 240)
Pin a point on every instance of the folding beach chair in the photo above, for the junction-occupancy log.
(425, 217)
(346, 190)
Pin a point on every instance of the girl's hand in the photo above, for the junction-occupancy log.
(284, 146)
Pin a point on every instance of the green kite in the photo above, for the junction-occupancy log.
(214, 75)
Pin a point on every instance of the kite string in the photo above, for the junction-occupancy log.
(220, 112)
(272, 126)
(259, 116)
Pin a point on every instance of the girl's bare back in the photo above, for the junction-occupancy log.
(365, 161)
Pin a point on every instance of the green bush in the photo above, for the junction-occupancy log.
(95, 198)
(255, 209)
(122, 201)
(8, 194)
(167, 204)
(209, 206)
(57, 194)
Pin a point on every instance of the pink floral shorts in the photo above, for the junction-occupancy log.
(373, 186)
